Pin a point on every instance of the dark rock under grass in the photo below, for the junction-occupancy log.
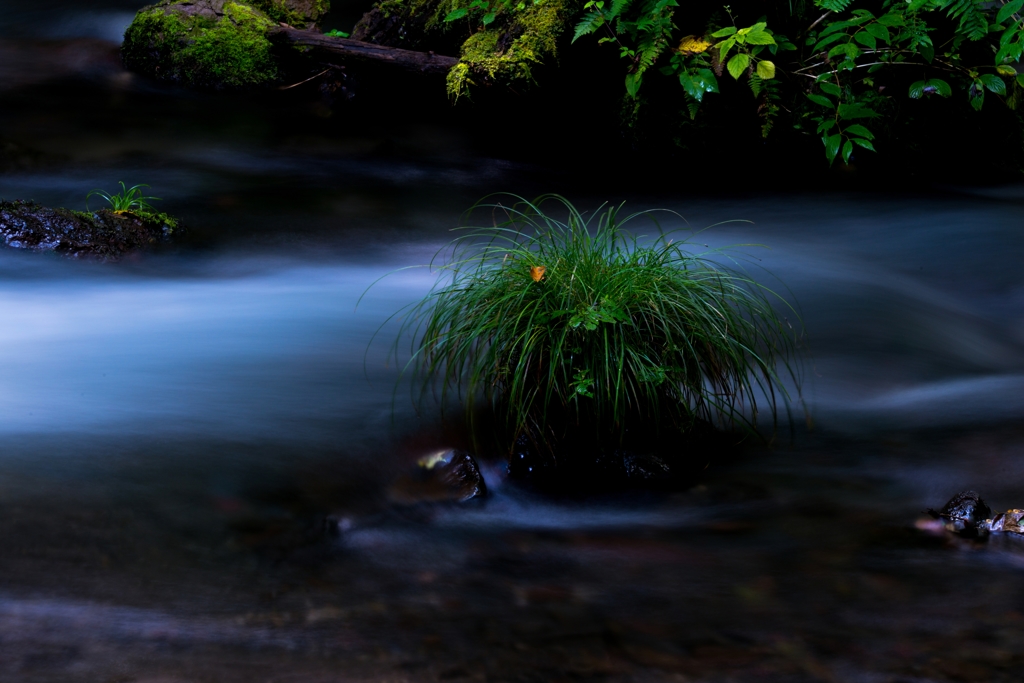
(102, 234)
(587, 462)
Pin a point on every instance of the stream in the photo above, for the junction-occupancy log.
(176, 427)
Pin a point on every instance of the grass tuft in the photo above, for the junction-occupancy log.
(128, 199)
(562, 322)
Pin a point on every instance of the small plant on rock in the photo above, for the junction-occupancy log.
(128, 199)
(568, 325)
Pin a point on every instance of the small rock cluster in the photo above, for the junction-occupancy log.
(103, 234)
(967, 515)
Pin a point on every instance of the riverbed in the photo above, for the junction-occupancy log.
(176, 428)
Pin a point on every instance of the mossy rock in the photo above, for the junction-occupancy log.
(304, 14)
(103, 235)
(506, 52)
(201, 43)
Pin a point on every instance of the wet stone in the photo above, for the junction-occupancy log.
(966, 506)
(450, 476)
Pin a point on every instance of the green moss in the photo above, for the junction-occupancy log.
(507, 55)
(153, 218)
(285, 11)
(170, 223)
(199, 50)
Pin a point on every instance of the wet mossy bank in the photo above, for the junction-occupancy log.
(230, 44)
(104, 234)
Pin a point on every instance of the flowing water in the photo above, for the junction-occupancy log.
(175, 428)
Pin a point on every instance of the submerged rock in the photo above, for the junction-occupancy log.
(203, 43)
(102, 234)
(450, 476)
(582, 463)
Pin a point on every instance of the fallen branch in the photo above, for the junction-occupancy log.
(346, 48)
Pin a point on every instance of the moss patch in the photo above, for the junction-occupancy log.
(298, 13)
(507, 55)
(197, 45)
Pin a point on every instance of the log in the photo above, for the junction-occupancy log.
(346, 48)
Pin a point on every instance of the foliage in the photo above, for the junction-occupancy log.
(199, 50)
(847, 38)
(574, 321)
(128, 199)
(842, 76)
(336, 33)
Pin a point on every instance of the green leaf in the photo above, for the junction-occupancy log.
(916, 90)
(830, 88)
(849, 49)
(856, 111)
(881, 32)
(978, 100)
(863, 143)
(738, 64)
(828, 40)
(1008, 9)
(1020, 80)
(724, 48)
(822, 101)
(891, 19)
(1009, 53)
(832, 146)
(760, 38)
(835, 26)
(456, 14)
(723, 32)
(865, 39)
(1006, 70)
(827, 125)
(699, 83)
(857, 129)
(993, 83)
(941, 87)
(766, 69)
(488, 18)
(633, 83)
(847, 151)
